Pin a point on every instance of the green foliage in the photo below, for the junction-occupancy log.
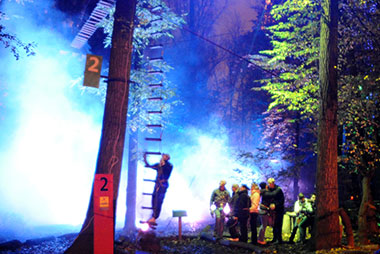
(359, 93)
(360, 118)
(294, 58)
(290, 122)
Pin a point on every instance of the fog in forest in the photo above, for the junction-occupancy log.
(50, 131)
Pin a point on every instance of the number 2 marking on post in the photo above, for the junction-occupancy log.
(94, 67)
(105, 184)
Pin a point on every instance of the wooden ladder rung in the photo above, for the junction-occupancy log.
(149, 180)
(155, 85)
(153, 139)
(157, 46)
(153, 153)
(160, 58)
(154, 125)
(155, 72)
(155, 98)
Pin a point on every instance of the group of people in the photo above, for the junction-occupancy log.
(265, 201)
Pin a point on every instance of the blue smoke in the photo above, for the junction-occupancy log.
(50, 131)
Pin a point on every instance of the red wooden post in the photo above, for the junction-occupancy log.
(103, 214)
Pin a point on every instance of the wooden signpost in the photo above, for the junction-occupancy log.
(103, 214)
(179, 214)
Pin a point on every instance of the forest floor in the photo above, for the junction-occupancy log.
(168, 242)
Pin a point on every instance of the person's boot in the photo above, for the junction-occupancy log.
(291, 239)
(219, 228)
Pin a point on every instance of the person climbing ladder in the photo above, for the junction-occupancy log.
(164, 169)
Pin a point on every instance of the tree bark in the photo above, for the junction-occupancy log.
(130, 215)
(297, 160)
(367, 218)
(115, 116)
(327, 220)
(348, 227)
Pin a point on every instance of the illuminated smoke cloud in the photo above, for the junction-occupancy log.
(51, 132)
(199, 165)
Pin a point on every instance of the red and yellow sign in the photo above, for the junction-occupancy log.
(104, 202)
(103, 214)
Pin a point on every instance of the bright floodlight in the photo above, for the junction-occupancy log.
(227, 209)
(144, 227)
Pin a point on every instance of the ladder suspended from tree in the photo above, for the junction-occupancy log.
(101, 10)
(153, 141)
(154, 54)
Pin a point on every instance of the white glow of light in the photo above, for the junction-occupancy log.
(144, 227)
(197, 171)
(227, 209)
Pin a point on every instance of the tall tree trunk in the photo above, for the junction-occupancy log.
(367, 217)
(115, 116)
(130, 215)
(298, 162)
(327, 219)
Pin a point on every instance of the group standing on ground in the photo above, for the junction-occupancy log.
(241, 212)
(254, 211)
(219, 200)
(232, 221)
(266, 202)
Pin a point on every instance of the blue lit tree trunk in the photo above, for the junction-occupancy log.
(130, 214)
(115, 116)
(327, 219)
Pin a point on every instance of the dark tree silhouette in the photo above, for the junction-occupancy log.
(115, 116)
(327, 220)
